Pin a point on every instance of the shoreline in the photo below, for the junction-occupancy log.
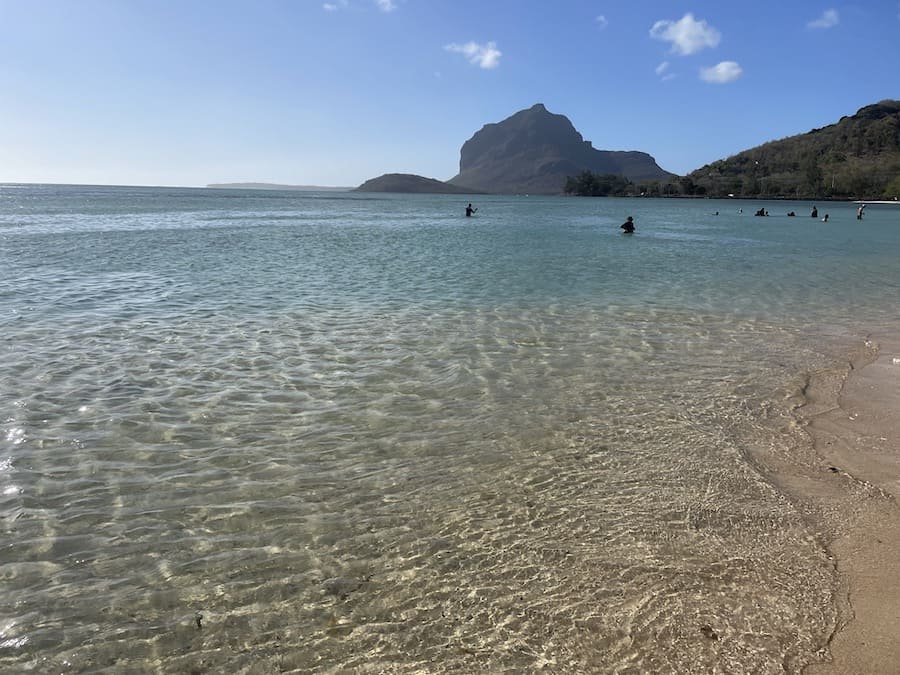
(854, 495)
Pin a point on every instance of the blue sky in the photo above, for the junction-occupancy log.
(334, 92)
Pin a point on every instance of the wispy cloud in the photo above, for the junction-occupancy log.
(386, 5)
(335, 6)
(602, 21)
(483, 56)
(721, 73)
(663, 71)
(829, 18)
(687, 35)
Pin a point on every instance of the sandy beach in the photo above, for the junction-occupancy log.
(856, 433)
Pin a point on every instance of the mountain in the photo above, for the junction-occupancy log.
(407, 182)
(857, 158)
(534, 151)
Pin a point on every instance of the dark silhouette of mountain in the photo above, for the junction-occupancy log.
(858, 157)
(534, 151)
(407, 182)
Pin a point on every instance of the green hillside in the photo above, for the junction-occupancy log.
(857, 158)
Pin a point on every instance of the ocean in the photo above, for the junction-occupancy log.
(273, 431)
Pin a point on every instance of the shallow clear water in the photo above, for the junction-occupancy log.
(259, 431)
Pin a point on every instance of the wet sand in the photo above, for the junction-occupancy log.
(856, 434)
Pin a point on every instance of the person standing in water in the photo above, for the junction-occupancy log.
(814, 213)
(628, 226)
(470, 210)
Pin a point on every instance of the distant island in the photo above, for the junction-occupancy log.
(410, 183)
(276, 186)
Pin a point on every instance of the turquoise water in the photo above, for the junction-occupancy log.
(279, 431)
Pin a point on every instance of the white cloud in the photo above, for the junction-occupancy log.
(687, 35)
(602, 21)
(386, 5)
(335, 6)
(828, 19)
(483, 56)
(722, 73)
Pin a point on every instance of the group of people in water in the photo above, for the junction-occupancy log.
(815, 213)
(628, 226)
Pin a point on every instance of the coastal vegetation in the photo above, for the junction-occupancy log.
(588, 184)
(856, 158)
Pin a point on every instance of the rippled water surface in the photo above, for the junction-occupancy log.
(249, 431)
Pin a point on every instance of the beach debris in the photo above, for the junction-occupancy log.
(895, 361)
(834, 469)
(708, 632)
(198, 618)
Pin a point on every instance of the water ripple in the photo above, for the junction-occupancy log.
(299, 435)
